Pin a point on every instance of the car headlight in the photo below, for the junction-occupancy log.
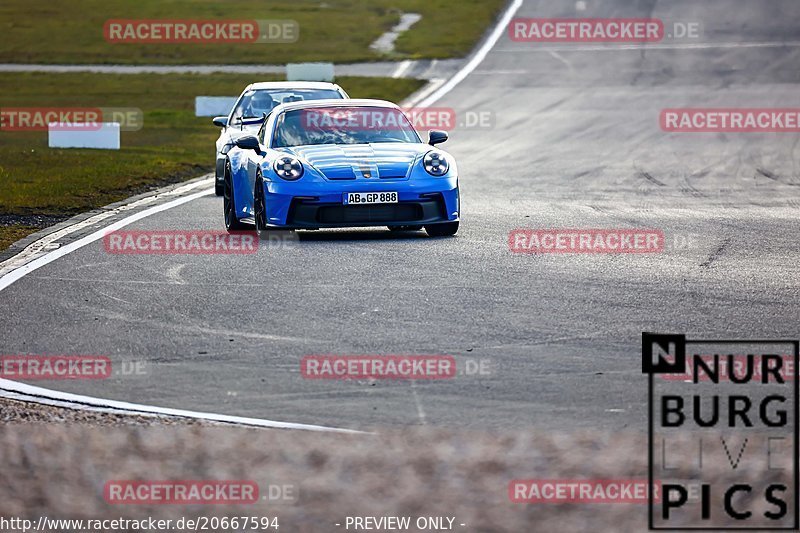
(435, 163)
(288, 168)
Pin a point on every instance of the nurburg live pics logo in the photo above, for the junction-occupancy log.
(722, 433)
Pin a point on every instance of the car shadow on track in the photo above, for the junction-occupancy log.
(360, 235)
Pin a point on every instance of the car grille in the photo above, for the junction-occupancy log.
(369, 213)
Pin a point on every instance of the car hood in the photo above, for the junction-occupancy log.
(361, 161)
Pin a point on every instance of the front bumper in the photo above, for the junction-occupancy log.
(316, 205)
(311, 214)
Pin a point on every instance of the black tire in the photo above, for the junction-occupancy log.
(442, 230)
(260, 206)
(260, 211)
(405, 228)
(219, 187)
(229, 203)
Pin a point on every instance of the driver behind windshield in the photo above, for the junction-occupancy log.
(261, 102)
(343, 126)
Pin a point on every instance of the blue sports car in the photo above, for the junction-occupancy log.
(340, 163)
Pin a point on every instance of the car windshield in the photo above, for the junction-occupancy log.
(343, 125)
(255, 103)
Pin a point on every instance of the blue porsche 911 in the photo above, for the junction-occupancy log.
(340, 163)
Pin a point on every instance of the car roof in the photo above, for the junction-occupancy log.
(355, 102)
(291, 85)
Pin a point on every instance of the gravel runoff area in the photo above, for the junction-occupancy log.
(57, 461)
(14, 412)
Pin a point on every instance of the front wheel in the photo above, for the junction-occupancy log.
(229, 203)
(442, 230)
(219, 187)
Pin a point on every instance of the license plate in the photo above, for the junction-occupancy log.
(361, 198)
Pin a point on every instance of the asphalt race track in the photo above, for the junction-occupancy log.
(574, 142)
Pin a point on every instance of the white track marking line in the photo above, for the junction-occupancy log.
(385, 43)
(431, 68)
(402, 68)
(479, 56)
(425, 91)
(49, 241)
(48, 258)
(21, 391)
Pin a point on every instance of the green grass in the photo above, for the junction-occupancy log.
(11, 234)
(173, 144)
(447, 28)
(71, 31)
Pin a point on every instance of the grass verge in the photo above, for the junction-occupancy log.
(336, 30)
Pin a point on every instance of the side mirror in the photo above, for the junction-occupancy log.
(249, 142)
(436, 137)
(220, 121)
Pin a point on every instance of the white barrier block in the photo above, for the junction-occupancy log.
(309, 71)
(103, 135)
(213, 106)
